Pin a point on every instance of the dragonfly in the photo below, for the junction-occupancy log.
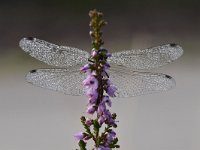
(128, 71)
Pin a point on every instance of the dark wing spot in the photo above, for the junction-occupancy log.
(173, 45)
(33, 71)
(30, 38)
(167, 76)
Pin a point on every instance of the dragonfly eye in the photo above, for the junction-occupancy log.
(173, 45)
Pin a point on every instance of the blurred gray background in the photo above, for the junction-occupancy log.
(32, 118)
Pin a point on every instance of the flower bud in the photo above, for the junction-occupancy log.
(79, 136)
(89, 122)
(91, 109)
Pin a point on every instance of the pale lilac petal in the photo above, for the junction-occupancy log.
(112, 133)
(102, 148)
(101, 120)
(111, 90)
(90, 82)
(101, 108)
(91, 109)
(92, 94)
(85, 68)
(94, 53)
(79, 136)
(93, 98)
(89, 122)
(107, 100)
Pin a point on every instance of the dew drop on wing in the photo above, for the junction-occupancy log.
(167, 76)
(33, 71)
(173, 45)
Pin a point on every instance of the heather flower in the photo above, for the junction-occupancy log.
(101, 120)
(112, 133)
(91, 109)
(88, 122)
(92, 94)
(94, 53)
(95, 84)
(102, 108)
(110, 136)
(90, 82)
(109, 119)
(91, 85)
(79, 136)
(102, 148)
(85, 68)
(107, 100)
(111, 90)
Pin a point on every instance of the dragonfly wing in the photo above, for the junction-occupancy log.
(68, 81)
(133, 83)
(147, 58)
(52, 54)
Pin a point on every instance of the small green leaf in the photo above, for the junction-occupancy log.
(82, 145)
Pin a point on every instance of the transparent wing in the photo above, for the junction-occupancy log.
(132, 83)
(68, 81)
(53, 54)
(147, 58)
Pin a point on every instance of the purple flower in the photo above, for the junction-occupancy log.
(92, 94)
(95, 85)
(88, 122)
(90, 81)
(94, 53)
(101, 108)
(101, 120)
(110, 136)
(109, 119)
(102, 148)
(91, 85)
(91, 109)
(112, 133)
(85, 68)
(107, 100)
(79, 136)
(111, 90)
